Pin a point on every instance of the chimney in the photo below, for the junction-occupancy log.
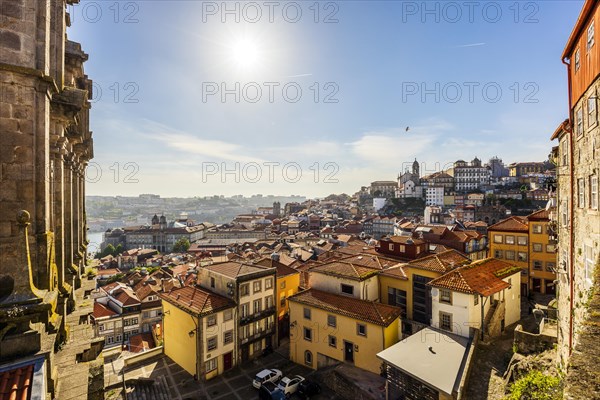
(275, 256)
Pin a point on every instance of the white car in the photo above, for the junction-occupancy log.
(289, 386)
(266, 375)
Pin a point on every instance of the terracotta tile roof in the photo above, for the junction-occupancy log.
(16, 384)
(233, 269)
(281, 269)
(197, 301)
(441, 262)
(395, 272)
(482, 277)
(512, 224)
(100, 311)
(370, 261)
(403, 240)
(541, 215)
(345, 270)
(368, 311)
(141, 342)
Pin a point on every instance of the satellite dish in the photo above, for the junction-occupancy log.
(434, 292)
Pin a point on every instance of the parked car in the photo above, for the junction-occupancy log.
(266, 375)
(270, 391)
(307, 389)
(289, 386)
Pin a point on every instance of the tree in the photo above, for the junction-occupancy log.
(118, 250)
(108, 250)
(182, 245)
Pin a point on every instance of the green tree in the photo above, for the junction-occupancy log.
(182, 245)
(108, 250)
(536, 386)
(118, 250)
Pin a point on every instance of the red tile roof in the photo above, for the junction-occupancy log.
(233, 269)
(141, 342)
(368, 311)
(482, 277)
(540, 215)
(512, 224)
(100, 311)
(197, 301)
(346, 270)
(442, 262)
(281, 269)
(15, 384)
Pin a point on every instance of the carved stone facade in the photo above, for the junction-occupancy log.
(45, 145)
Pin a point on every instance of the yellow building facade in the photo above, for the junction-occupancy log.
(327, 328)
(525, 242)
(405, 285)
(199, 331)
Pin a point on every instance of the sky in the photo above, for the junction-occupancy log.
(310, 98)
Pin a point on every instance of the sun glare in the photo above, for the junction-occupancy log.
(245, 54)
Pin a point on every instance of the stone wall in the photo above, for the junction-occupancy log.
(530, 343)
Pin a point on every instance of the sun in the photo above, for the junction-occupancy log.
(245, 54)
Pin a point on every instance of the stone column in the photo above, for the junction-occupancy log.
(68, 215)
(58, 220)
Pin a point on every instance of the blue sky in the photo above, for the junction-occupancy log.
(468, 78)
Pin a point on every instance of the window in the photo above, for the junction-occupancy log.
(268, 283)
(524, 272)
(244, 332)
(227, 337)
(537, 265)
(577, 60)
(244, 289)
(308, 334)
(256, 347)
(332, 341)
(550, 266)
(211, 364)
(592, 115)
(397, 297)
(580, 193)
(537, 228)
(497, 238)
(227, 315)
(565, 213)
(564, 152)
(579, 122)
(446, 321)
(498, 253)
(550, 248)
(118, 338)
(332, 320)
(110, 339)
(510, 239)
(282, 286)
(257, 286)
(211, 343)
(588, 265)
(307, 357)
(257, 305)
(306, 313)
(522, 241)
(475, 299)
(538, 247)
(245, 310)
(510, 255)
(590, 36)
(445, 296)
(391, 246)
(212, 282)
(347, 289)
(361, 329)
(594, 192)
(522, 256)
(282, 301)
(268, 301)
(211, 320)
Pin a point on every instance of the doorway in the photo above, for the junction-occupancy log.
(348, 352)
(228, 361)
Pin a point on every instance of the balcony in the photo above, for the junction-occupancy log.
(257, 316)
(259, 335)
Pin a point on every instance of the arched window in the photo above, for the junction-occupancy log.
(307, 357)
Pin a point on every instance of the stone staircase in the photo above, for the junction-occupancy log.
(79, 362)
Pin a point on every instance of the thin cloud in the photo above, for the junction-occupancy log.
(470, 45)
(299, 76)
